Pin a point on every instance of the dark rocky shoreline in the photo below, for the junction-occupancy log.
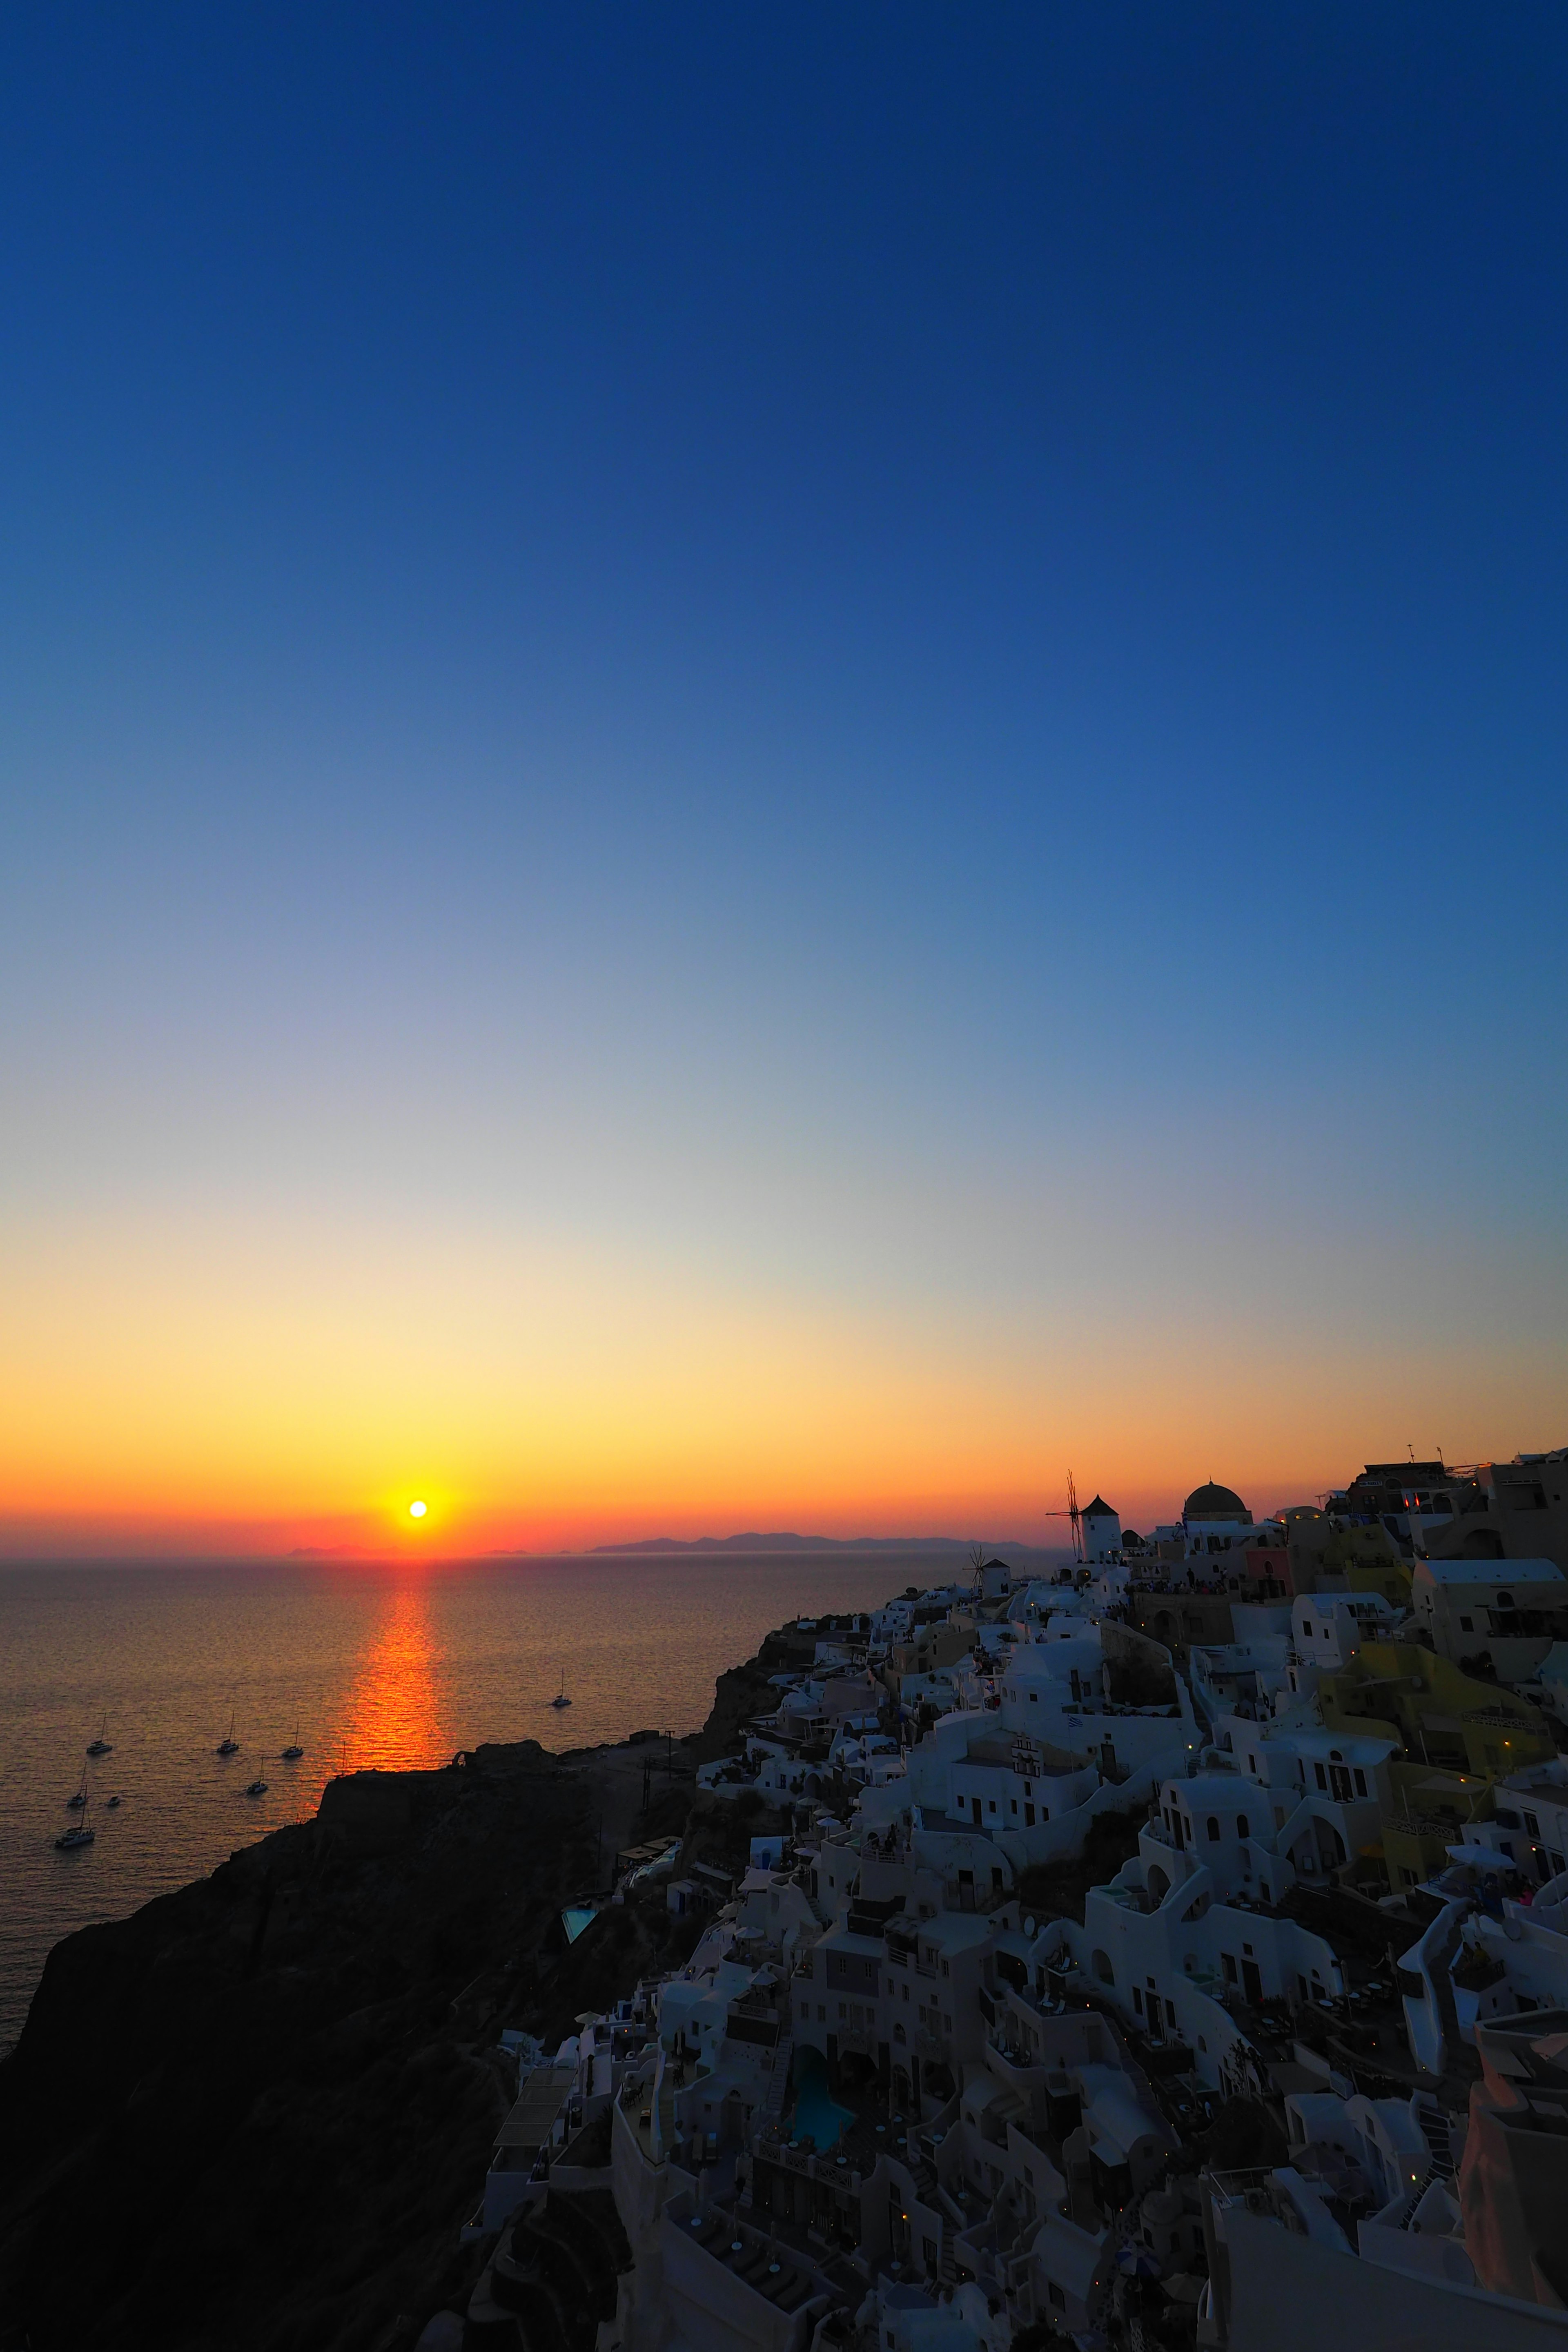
(254, 2117)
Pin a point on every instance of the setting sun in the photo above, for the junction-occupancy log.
(416, 1510)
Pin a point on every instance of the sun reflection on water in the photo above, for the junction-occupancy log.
(392, 1715)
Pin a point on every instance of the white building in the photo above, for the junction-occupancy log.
(1507, 1608)
(1328, 1627)
(1101, 1533)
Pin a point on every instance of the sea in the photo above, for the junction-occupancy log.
(365, 1663)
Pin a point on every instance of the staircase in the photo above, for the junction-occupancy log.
(1413, 2199)
(1433, 2125)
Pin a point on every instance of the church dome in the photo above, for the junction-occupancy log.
(1211, 1502)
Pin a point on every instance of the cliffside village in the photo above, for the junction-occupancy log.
(1294, 2072)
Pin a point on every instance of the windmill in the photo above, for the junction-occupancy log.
(1075, 1515)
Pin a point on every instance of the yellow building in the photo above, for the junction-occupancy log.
(1442, 1715)
(1459, 1737)
(1428, 1809)
(1368, 1558)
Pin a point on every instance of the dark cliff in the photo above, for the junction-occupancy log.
(255, 2115)
(257, 2112)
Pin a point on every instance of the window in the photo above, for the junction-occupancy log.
(1171, 2014)
(1467, 1624)
(1360, 1782)
(1322, 1776)
(1213, 1829)
(1228, 1965)
(1058, 2301)
(1138, 2000)
(1306, 1624)
(1241, 1829)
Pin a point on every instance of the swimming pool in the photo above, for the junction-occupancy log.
(818, 2114)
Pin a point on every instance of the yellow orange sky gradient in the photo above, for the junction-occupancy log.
(787, 827)
(198, 1385)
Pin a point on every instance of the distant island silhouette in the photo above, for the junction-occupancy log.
(787, 1542)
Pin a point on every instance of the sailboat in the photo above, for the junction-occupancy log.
(230, 1746)
(78, 1833)
(78, 1804)
(293, 1752)
(256, 1788)
(561, 1698)
(100, 1747)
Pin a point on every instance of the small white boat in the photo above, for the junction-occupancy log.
(256, 1788)
(100, 1747)
(561, 1698)
(293, 1752)
(229, 1745)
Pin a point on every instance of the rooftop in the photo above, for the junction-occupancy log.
(1213, 1502)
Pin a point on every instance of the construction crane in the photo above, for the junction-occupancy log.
(1075, 1515)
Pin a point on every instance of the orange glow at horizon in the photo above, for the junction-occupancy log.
(263, 1390)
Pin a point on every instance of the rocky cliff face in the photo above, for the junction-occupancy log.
(257, 2112)
(745, 1692)
(255, 2115)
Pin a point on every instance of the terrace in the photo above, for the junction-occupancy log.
(776, 2272)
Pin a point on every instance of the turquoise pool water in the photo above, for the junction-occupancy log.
(817, 2112)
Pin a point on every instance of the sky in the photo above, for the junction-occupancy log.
(774, 767)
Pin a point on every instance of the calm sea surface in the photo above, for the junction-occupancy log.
(378, 1664)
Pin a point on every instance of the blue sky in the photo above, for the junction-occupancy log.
(876, 664)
